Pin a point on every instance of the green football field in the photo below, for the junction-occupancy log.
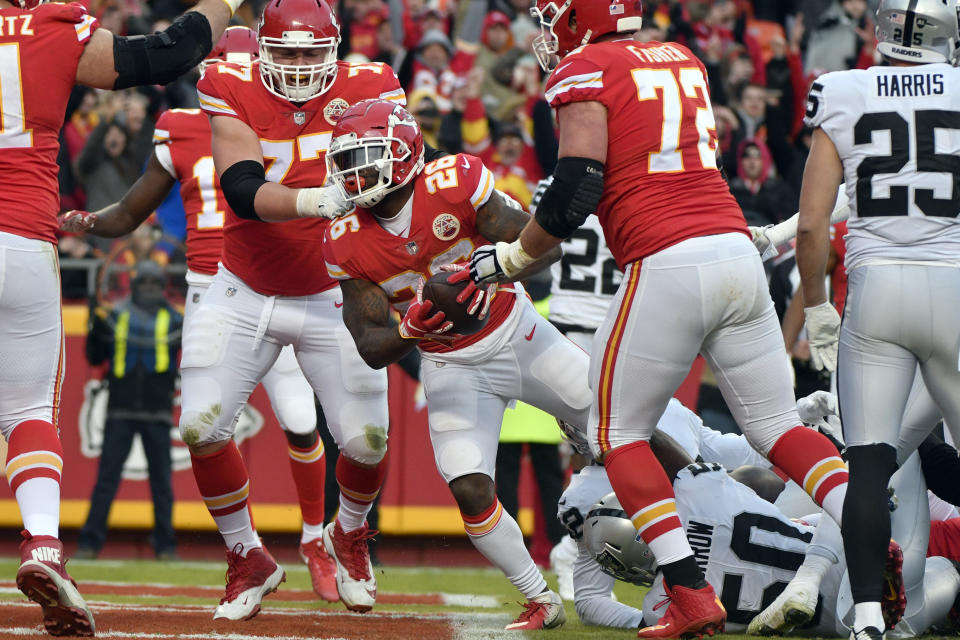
(146, 599)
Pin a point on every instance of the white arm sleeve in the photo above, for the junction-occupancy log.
(593, 589)
(787, 230)
(729, 450)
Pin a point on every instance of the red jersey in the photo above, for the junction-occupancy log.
(39, 53)
(443, 230)
(838, 277)
(284, 258)
(661, 183)
(182, 145)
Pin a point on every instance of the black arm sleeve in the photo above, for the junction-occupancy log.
(430, 154)
(162, 57)
(572, 196)
(545, 137)
(240, 183)
(941, 469)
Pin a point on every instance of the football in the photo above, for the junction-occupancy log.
(443, 295)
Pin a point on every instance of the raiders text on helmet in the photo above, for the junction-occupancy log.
(919, 30)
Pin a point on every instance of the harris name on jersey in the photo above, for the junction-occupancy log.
(913, 85)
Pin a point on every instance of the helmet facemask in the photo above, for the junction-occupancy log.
(298, 83)
(363, 168)
(546, 46)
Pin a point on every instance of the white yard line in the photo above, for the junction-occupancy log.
(36, 631)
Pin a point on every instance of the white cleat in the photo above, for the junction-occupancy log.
(356, 582)
(249, 579)
(794, 607)
(562, 557)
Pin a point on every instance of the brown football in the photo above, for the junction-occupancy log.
(444, 298)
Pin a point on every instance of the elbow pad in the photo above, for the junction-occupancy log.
(240, 183)
(573, 195)
(162, 57)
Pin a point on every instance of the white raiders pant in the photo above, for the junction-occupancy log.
(31, 332)
(525, 359)
(236, 336)
(290, 394)
(704, 295)
(898, 316)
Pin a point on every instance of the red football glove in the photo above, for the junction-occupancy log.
(77, 221)
(419, 323)
(480, 299)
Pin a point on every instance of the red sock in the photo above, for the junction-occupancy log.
(33, 451)
(644, 491)
(358, 484)
(309, 469)
(222, 480)
(811, 460)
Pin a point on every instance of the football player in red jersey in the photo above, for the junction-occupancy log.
(45, 50)
(410, 221)
(182, 153)
(271, 123)
(638, 146)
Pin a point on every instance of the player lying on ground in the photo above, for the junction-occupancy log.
(411, 221)
(182, 154)
(747, 547)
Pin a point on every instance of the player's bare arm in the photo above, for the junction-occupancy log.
(821, 179)
(136, 205)
(239, 161)
(110, 61)
(573, 195)
(366, 312)
(497, 221)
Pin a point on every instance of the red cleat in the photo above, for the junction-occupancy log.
(356, 583)
(249, 579)
(544, 611)
(690, 613)
(323, 570)
(43, 578)
(894, 600)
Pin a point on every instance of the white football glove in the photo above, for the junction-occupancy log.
(322, 202)
(823, 332)
(77, 221)
(817, 406)
(763, 244)
(502, 261)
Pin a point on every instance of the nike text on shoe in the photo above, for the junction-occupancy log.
(690, 613)
(867, 633)
(893, 604)
(794, 607)
(249, 579)
(356, 583)
(322, 568)
(544, 611)
(43, 578)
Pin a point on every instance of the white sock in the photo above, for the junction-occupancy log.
(236, 527)
(352, 514)
(311, 532)
(503, 546)
(39, 501)
(833, 503)
(813, 569)
(868, 614)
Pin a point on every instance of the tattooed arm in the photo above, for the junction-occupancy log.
(366, 312)
(497, 221)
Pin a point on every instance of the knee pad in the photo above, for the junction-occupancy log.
(201, 412)
(367, 448)
(296, 417)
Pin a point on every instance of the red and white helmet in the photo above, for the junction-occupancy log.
(374, 138)
(568, 24)
(237, 44)
(298, 24)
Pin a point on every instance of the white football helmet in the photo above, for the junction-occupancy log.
(613, 542)
(920, 31)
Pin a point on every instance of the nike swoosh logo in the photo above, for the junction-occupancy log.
(562, 68)
(338, 304)
(466, 163)
(529, 336)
